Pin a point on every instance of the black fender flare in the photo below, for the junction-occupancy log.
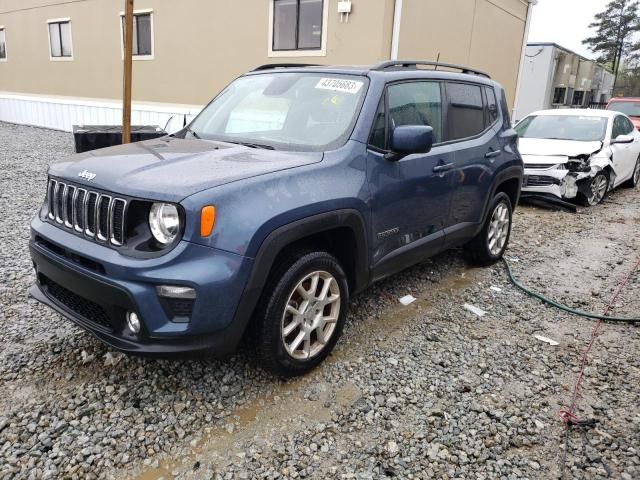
(508, 173)
(285, 235)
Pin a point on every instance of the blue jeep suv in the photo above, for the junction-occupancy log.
(294, 189)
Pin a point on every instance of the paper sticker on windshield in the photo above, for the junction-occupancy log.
(339, 85)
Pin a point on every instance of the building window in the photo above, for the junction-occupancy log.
(297, 26)
(578, 98)
(3, 45)
(559, 95)
(142, 46)
(60, 42)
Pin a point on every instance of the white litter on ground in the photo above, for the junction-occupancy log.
(496, 289)
(547, 340)
(407, 300)
(473, 309)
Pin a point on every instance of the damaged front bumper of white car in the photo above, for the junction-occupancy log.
(564, 177)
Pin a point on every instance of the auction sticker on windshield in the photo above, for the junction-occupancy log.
(339, 85)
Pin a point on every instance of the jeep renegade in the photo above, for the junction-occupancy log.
(293, 190)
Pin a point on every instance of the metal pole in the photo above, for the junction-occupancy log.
(128, 64)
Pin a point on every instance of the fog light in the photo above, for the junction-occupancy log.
(176, 291)
(133, 322)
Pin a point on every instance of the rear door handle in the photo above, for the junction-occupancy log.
(443, 167)
(492, 153)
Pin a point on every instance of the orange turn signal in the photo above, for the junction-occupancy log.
(207, 220)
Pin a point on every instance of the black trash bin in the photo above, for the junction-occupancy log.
(91, 137)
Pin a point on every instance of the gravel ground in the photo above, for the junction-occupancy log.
(424, 391)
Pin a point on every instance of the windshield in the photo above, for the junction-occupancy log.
(285, 111)
(630, 108)
(563, 127)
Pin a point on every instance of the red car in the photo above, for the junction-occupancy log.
(628, 106)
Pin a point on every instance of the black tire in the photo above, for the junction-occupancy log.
(478, 249)
(635, 177)
(269, 318)
(589, 200)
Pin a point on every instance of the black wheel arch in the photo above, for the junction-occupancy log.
(314, 232)
(509, 181)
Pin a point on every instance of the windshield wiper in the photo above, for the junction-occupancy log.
(188, 128)
(253, 145)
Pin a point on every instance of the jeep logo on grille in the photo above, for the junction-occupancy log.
(86, 174)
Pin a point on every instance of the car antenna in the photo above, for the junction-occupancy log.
(437, 61)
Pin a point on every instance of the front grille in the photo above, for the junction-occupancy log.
(540, 166)
(98, 216)
(541, 181)
(79, 305)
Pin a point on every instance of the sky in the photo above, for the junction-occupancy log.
(565, 22)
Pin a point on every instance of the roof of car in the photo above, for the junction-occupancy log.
(624, 99)
(577, 112)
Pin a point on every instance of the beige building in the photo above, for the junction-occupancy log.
(66, 55)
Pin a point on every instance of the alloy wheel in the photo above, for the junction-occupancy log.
(498, 229)
(598, 189)
(311, 315)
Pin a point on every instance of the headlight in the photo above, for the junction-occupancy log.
(164, 222)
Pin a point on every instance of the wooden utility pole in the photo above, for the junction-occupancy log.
(128, 65)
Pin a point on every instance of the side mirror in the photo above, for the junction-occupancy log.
(409, 139)
(623, 139)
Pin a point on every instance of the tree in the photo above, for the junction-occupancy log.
(614, 37)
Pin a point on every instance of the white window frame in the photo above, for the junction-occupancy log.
(322, 52)
(6, 52)
(60, 20)
(153, 44)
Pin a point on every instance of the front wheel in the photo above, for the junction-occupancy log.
(301, 313)
(597, 190)
(489, 245)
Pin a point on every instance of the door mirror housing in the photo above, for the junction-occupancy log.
(408, 139)
(623, 139)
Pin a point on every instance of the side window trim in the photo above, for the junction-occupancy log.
(465, 139)
(486, 91)
(385, 96)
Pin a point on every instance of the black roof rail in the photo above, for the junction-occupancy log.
(269, 66)
(415, 63)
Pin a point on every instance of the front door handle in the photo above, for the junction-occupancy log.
(443, 167)
(492, 153)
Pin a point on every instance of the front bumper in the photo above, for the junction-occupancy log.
(96, 286)
(551, 181)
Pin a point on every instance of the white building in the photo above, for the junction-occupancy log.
(555, 77)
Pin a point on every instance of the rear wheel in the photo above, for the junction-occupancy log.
(301, 313)
(490, 244)
(635, 178)
(598, 188)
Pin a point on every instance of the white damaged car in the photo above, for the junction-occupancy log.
(577, 154)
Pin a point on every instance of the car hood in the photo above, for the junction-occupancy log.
(171, 168)
(541, 151)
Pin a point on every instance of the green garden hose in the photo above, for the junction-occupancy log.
(561, 306)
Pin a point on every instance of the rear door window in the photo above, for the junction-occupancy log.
(466, 111)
